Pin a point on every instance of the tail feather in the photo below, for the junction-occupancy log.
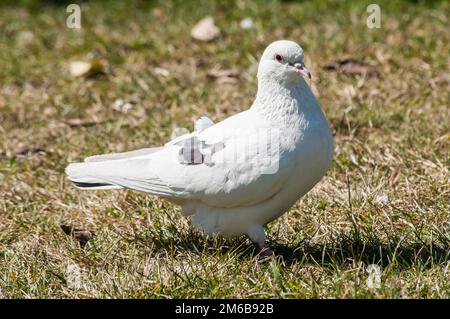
(133, 173)
(87, 181)
(95, 186)
(90, 175)
(88, 185)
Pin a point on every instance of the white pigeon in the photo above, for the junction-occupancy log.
(235, 176)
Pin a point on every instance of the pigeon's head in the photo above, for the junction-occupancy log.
(282, 61)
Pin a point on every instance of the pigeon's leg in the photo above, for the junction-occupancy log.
(257, 235)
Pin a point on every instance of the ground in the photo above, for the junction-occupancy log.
(385, 200)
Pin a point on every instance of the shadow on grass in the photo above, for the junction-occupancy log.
(348, 251)
(194, 241)
(341, 251)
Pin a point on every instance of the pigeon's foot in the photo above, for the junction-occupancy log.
(265, 253)
(258, 237)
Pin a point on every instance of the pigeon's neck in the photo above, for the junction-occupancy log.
(284, 102)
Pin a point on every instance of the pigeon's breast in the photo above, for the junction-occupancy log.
(313, 155)
(300, 168)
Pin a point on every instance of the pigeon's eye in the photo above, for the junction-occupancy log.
(279, 58)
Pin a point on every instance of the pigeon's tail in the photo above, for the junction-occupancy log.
(84, 176)
(93, 186)
(133, 173)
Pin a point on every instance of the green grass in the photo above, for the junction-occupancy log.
(391, 138)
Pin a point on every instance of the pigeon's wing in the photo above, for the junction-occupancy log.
(201, 124)
(123, 155)
(227, 165)
(231, 170)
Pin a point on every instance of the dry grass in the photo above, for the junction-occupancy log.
(391, 137)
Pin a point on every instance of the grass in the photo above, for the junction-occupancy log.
(385, 200)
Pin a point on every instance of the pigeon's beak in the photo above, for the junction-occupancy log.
(302, 69)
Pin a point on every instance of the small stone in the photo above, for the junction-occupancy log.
(82, 68)
(246, 23)
(79, 68)
(122, 106)
(382, 199)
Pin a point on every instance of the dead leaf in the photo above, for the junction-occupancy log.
(91, 68)
(200, 62)
(26, 151)
(222, 73)
(353, 67)
(161, 71)
(157, 12)
(81, 235)
(205, 30)
(80, 122)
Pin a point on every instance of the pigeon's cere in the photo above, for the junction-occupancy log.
(235, 176)
(301, 68)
